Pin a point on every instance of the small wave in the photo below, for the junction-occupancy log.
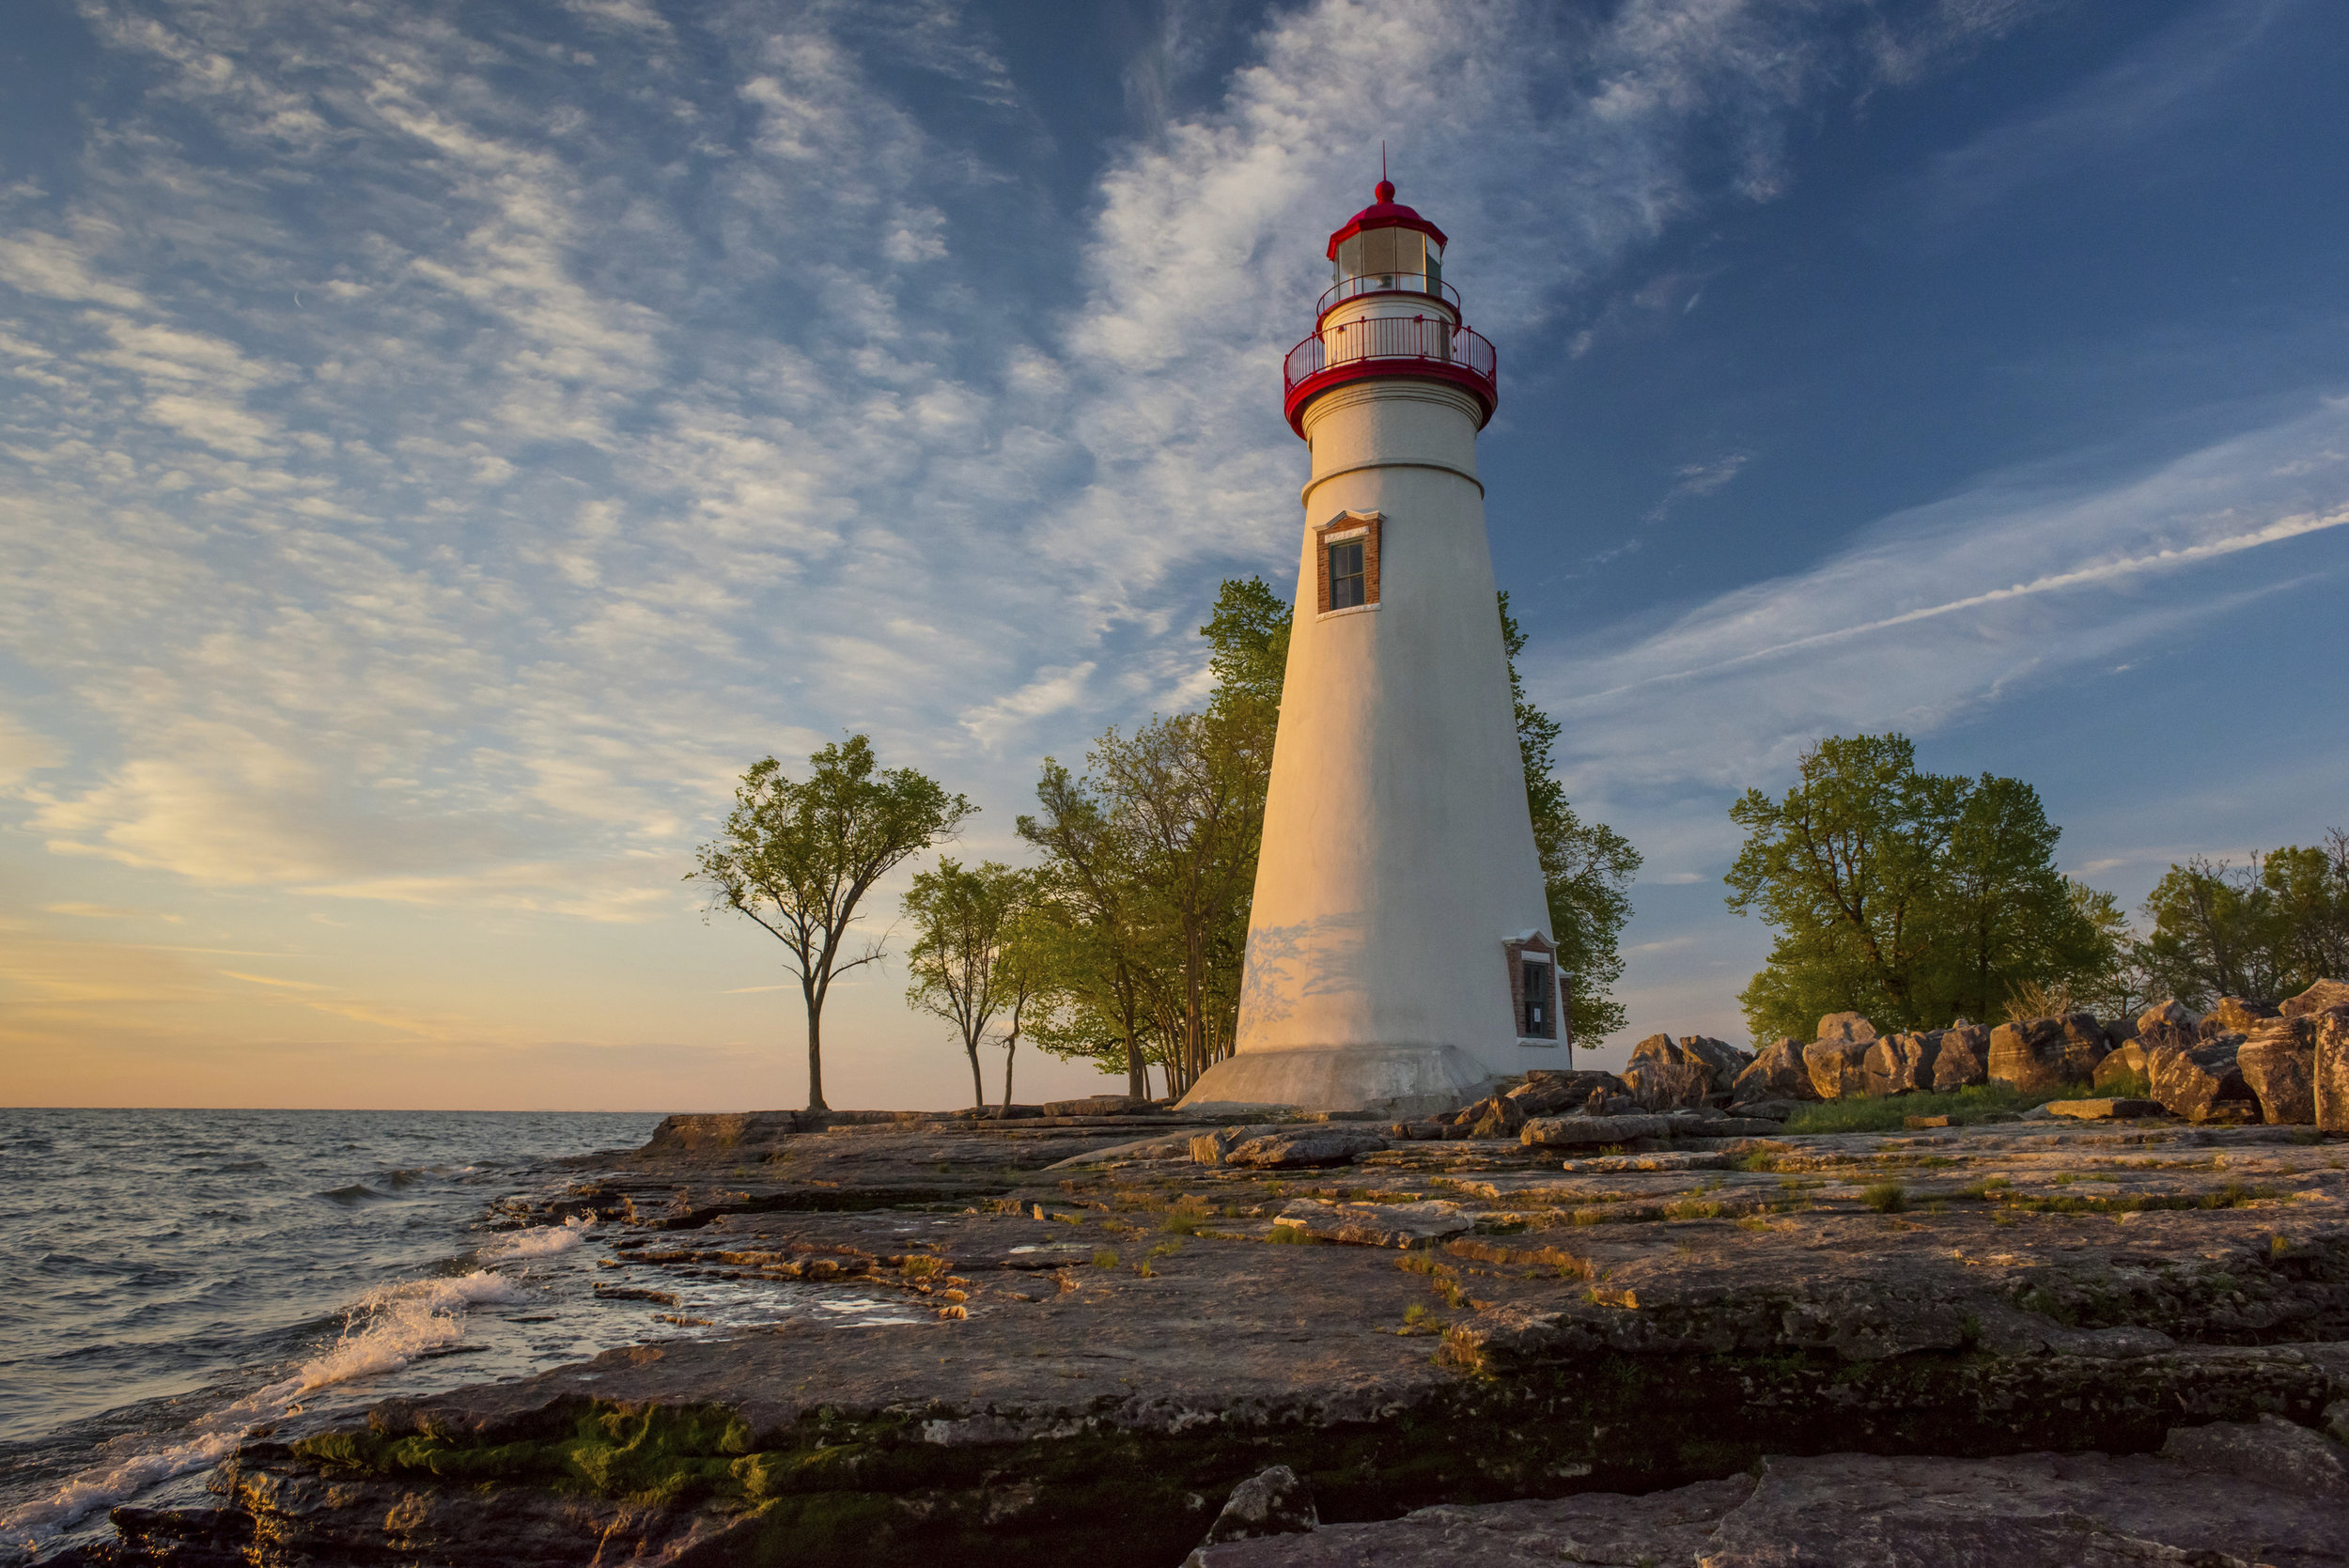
(105, 1484)
(357, 1193)
(402, 1324)
(239, 1167)
(537, 1242)
(385, 1331)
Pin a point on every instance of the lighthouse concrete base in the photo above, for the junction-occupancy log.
(1403, 1082)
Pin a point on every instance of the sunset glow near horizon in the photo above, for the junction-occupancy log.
(443, 444)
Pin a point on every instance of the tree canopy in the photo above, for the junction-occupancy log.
(2265, 929)
(798, 857)
(1911, 898)
(1587, 867)
(961, 967)
(1150, 863)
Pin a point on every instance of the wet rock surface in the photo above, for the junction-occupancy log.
(1096, 1338)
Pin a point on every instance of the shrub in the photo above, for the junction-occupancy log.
(1886, 1197)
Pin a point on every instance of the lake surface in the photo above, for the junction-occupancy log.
(171, 1281)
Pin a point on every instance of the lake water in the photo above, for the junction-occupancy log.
(170, 1281)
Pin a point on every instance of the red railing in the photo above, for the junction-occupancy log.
(1390, 346)
(1385, 282)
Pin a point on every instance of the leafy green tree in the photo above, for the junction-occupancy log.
(963, 920)
(1249, 634)
(2266, 930)
(798, 857)
(1150, 860)
(1587, 867)
(1097, 899)
(2001, 917)
(1904, 895)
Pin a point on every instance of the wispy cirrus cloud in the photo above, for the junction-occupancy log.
(512, 420)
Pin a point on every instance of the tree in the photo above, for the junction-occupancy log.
(1150, 861)
(1907, 896)
(1023, 974)
(1587, 867)
(1095, 893)
(799, 857)
(2266, 930)
(2002, 917)
(963, 920)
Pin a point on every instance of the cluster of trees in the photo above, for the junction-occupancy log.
(2266, 930)
(1916, 898)
(1124, 944)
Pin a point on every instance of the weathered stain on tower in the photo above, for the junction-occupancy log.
(1399, 955)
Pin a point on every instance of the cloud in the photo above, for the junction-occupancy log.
(1936, 612)
(448, 444)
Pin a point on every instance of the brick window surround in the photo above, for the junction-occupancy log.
(1342, 529)
(1534, 946)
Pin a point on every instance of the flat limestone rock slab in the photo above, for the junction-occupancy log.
(1555, 1131)
(1405, 1226)
(2025, 1511)
(2105, 1110)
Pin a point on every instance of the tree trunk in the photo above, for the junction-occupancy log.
(815, 1050)
(978, 1091)
(1010, 1046)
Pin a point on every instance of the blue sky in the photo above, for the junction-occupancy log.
(443, 444)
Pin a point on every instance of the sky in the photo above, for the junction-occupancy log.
(443, 444)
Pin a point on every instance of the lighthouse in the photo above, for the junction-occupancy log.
(1399, 952)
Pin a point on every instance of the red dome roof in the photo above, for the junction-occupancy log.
(1385, 212)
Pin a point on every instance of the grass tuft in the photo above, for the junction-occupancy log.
(1964, 1108)
(1886, 1197)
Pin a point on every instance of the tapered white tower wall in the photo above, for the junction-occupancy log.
(1399, 895)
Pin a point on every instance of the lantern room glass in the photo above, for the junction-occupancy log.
(1390, 257)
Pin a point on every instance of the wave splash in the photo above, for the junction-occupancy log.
(383, 1331)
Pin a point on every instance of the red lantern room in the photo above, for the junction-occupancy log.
(1388, 312)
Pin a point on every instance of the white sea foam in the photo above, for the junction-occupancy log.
(403, 1323)
(104, 1485)
(538, 1242)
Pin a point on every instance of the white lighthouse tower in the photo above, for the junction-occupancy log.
(1399, 951)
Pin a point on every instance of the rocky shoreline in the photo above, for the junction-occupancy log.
(1647, 1344)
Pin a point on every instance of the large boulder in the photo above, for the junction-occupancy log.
(2234, 1015)
(1667, 1085)
(2278, 1062)
(1567, 1131)
(2031, 1054)
(1900, 1063)
(1277, 1501)
(1324, 1145)
(2322, 997)
(1846, 1026)
(2126, 1064)
(2332, 1069)
(2167, 1023)
(1721, 1061)
(1839, 1067)
(2193, 1082)
(1549, 1092)
(1776, 1073)
(1963, 1058)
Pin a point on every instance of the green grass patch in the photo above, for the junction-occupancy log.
(1105, 1258)
(1886, 1197)
(2234, 1195)
(1962, 1106)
